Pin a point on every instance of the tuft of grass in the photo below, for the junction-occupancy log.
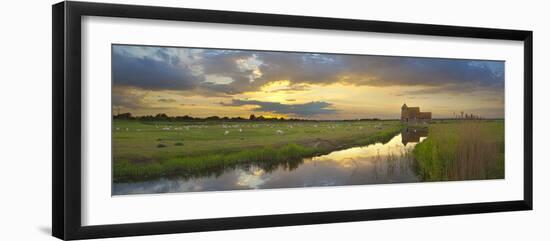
(195, 164)
(462, 150)
(161, 145)
(178, 144)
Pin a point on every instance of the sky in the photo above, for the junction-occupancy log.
(217, 82)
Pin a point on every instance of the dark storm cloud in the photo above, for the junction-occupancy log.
(380, 70)
(302, 68)
(158, 71)
(441, 75)
(307, 109)
(249, 70)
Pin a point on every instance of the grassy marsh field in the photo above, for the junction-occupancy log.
(462, 150)
(145, 150)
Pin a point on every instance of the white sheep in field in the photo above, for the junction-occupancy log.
(240, 130)
(280, 132)
(226, 133)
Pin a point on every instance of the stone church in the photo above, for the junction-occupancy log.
(413, 115)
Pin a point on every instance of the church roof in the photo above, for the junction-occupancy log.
(404, 106)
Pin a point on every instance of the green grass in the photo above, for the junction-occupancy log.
(462, 150)
(195, 149)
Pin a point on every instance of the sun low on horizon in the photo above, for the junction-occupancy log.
(202, 82)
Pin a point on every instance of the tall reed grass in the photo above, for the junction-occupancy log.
(465, 150)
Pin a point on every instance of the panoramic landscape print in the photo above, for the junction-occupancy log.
(197, 119)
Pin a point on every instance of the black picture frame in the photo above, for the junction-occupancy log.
(66, 128)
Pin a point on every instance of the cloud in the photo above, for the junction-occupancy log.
(130, 98)
(443, 74)
(305, 110)
(166, 100)
(292, 88)
(229, 72)
(157, 71)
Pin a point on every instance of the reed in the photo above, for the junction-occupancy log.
(462, 150)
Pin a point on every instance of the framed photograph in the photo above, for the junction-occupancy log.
(169, 120)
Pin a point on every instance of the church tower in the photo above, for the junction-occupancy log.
(404, 113)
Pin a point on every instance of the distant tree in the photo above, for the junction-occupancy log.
(212, 118)
(125, 116)
(185, 118)
(252, 117)
(161, 116)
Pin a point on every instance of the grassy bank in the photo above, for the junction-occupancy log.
(147, 150)
(462, 150)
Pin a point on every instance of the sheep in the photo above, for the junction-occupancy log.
(240, 130)
(226, 133)
(280, 132)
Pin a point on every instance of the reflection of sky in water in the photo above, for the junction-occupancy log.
(372, 164)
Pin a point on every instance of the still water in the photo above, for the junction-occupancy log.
(378, 163)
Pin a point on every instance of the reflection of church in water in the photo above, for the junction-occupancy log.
(413, 134)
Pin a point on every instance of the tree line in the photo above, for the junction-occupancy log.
(465, 116)
(165, 117)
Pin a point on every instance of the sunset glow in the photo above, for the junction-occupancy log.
(215, 82)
